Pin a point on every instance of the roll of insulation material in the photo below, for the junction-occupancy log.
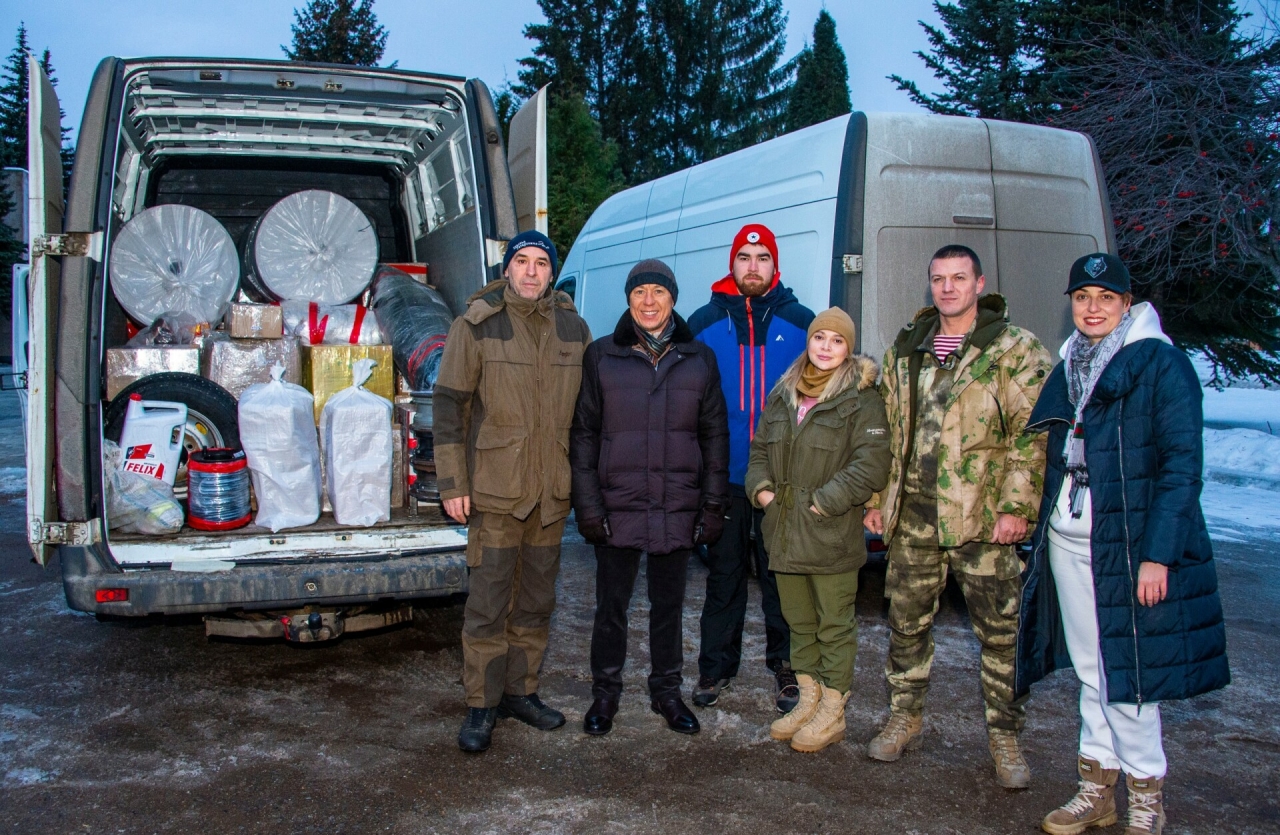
(174, 259)
(312, 246)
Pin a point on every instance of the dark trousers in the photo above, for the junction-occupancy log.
(725, 609)
(616, 570)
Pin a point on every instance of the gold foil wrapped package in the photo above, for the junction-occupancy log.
(236, 364)
(126, 365)
(326, 370)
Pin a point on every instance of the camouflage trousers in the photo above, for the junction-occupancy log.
(988, 575)
(513, 566)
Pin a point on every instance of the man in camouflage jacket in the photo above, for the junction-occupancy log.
(959, 384)
(503, 407)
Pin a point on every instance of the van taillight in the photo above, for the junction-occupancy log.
(111, 595)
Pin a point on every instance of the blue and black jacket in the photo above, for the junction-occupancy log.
(759, 336)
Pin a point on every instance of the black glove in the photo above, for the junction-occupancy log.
(595, 531)
(709, 524)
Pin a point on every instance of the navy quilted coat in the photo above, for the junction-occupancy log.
(1144, 450)
(649, 446)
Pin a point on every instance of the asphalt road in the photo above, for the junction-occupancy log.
(151, 728)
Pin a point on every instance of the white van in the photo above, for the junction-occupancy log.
(858, 204)
(421, 154)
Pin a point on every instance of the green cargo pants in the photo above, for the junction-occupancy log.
(819, 609)
(513, 566)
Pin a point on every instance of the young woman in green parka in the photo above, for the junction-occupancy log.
(820, 451)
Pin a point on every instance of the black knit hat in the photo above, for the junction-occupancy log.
(1101, 269)
(652, 271)
(531, 238)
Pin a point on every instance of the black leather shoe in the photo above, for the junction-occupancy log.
(531, 711)
(599, 719)
(679, 718)
(477, 730)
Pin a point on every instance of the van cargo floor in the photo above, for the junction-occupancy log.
(428, 516)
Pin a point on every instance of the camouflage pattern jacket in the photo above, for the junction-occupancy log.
(504, 402)
(987, 465)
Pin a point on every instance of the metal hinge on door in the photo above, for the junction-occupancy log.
(853, 263)
(66, 533)
(75, 244)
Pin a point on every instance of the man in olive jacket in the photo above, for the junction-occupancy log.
(959, 384)
(503, 407)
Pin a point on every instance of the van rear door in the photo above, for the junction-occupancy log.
(44, 164)
(527, 162)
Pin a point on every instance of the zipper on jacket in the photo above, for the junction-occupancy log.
(751, 352)
(1128, 560)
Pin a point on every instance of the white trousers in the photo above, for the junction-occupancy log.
(1116, 735)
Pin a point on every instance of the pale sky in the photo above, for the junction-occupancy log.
(481, 38)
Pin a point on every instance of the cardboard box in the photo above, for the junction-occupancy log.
(326, 370)
(126, 365)
(236, 364)
(255, 321)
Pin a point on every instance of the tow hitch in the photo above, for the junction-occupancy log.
(305, 626)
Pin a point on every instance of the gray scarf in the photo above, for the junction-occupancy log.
(655, 347)
(1085, 363)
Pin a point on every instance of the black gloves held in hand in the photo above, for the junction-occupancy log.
(709, 524)
(595, 531)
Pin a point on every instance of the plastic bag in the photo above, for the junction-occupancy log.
(170, 328)
(355, 433)
(415, 320)
(278, 433)
(174, 259)
(313, 246)
(342, 324)
(135, 503)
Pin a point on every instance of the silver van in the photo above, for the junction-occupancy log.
(421, 154)
(858, 204)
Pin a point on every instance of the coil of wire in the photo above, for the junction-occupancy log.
(217, 489)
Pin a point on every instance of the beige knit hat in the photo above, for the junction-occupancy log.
(835, 319)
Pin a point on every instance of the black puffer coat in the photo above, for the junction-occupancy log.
(649, 446)
(1144, 450)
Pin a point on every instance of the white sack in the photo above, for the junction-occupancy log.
(174, 259)
(315, 246)
(355, 432)
(136, 503)
(278, 433)
(323, 324)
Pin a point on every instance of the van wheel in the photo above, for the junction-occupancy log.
(211, 414)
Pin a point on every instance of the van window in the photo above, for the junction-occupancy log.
(447, 174)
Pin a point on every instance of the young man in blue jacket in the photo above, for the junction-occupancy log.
(756, 327)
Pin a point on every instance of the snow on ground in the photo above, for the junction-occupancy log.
(1242, 456)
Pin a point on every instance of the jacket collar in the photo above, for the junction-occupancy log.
(724, 293)
(625, 336)
(992, 320)
(493, 298)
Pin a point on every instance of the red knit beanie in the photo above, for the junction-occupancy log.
(754, 233)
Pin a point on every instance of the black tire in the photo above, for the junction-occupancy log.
(211, 413)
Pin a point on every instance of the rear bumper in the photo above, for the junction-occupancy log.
(278, 586)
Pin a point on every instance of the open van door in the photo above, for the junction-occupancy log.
(527, 162)
(44, 227)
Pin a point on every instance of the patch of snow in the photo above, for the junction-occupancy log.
(1242, 511)
(1242, 456)
(1238, 407)
(26, 776)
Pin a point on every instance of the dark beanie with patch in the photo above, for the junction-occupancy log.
(653, 271)
(535, 239)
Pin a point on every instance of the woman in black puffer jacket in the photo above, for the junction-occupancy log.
(1121, 584)
(650, 456)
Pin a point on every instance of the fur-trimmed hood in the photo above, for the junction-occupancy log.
(492, 297)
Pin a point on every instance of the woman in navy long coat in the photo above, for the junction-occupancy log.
(1121, 584)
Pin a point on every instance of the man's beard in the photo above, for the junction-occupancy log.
(757, 286)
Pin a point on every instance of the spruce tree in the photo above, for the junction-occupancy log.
(582, 168)
(14, 84)
(821, 90)
(337, 32)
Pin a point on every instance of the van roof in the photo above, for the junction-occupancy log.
(286, 66)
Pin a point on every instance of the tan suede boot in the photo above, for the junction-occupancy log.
(1093, 805)
(901, 733)
(827, 724)
(1146, 805)
(810, 694)
(1012, 770)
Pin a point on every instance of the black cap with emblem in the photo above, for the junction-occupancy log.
(1101, 269)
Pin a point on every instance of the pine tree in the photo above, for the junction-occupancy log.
(14, 84)
(583, 168)
(67, 151)
(821, 90)
(337, 32)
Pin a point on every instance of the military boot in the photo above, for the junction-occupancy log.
(1093, 805)
(901, 733)
(1146, 805)
(1012, 770)
(477, 729)
(810, 694)
(827, 724)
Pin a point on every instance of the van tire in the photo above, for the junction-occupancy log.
(204, 397)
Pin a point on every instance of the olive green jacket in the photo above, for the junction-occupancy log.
(834, 460)
(504, 402)
(986, 464)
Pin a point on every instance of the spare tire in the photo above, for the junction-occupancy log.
(211, 414)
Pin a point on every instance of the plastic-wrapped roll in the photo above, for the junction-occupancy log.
(174, 259)
(415, 320)
(342, 324)
(312, 246)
